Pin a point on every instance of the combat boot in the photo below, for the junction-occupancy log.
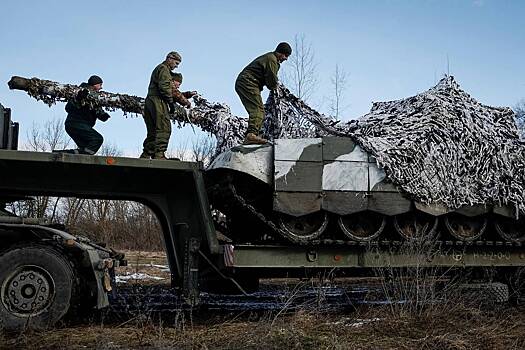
(145, 155)
(160, 155)
(252, 139)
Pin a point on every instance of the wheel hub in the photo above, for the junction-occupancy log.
(362, 227)
(416, 226)
(305, 227)
(28, 291)
(465, 228)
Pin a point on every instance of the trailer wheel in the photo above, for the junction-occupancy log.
(35, 288)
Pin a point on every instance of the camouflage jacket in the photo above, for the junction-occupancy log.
(80, 110)
(263, 71)
(160, 83)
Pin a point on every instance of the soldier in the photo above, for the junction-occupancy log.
(180, 97)
(250, 82)
(157, 107)
(81, 118)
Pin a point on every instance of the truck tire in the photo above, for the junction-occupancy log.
(36, 283)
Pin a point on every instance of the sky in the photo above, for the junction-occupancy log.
(388, 49)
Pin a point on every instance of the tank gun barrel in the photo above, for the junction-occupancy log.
(51, 92)
(215, 118)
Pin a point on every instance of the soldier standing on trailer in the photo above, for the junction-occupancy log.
(157, 108)
(259, 73)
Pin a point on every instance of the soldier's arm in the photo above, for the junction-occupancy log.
(270, 78)
(189, 94)
(180, 98)
(101, 114)
(164, 84)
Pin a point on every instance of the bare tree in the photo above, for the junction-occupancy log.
(42, 138)
(339, 84)
(51, 135)
(203, 149)
(300, 72)
(110, 150)
(181, 152)
(519, 109)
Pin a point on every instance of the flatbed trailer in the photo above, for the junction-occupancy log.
(176, 193)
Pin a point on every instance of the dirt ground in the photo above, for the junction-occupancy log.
(443, 326)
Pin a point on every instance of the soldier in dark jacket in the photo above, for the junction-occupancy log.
(259, 73)
(157, 107)
(82, 116)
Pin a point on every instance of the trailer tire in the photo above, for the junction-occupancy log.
(36, 284)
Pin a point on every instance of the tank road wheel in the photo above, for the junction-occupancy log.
(362, 227)
(416, 225)
(509, 229)
(465, 228)
(302, 229)
(35, 288)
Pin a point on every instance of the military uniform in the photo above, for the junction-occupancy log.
(180, 97)
(259, 73)
(81, 119)
(156, 113)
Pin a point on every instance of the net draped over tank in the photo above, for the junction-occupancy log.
(440, 146)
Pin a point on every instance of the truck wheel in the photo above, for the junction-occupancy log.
(35, 288)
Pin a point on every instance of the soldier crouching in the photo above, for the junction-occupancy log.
(81, 118)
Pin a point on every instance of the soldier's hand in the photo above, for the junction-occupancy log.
(188, 105)
(171, 107)
(104, 117)
(82, 94)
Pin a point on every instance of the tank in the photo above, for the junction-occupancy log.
(328, 189)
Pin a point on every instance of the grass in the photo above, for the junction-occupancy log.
(364, 328)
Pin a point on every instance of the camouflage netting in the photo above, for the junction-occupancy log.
(215, 118)
(440, 146)
(51, 92)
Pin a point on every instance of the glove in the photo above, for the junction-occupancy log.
(188, 105)
(104, 117)
(171, 107)
(82, 94)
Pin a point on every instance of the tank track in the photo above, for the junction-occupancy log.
(268, 222)
(243, 204)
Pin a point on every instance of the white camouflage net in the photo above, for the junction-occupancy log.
(440, 146)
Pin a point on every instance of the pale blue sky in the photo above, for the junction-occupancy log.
(390, 49)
